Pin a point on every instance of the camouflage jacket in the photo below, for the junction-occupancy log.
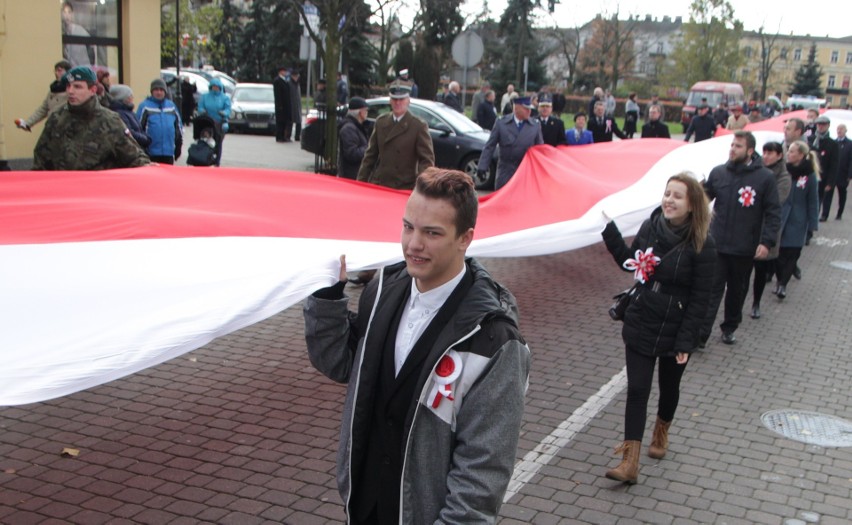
(86, 137)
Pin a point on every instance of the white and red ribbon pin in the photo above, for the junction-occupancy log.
(449, 369)
(747, 196)
(801, 182)
(643, 265)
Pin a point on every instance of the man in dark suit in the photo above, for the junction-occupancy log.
(552, 128)
(400, 147)
(841, 180)
(603, 127)
(654, 129)
(283, 106)
(452, 97)
(515, 134)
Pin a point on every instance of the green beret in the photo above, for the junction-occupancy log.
(81, 73)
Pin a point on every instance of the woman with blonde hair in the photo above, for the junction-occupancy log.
(673, 260)
(800, 212)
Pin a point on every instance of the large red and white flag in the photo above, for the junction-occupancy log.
(103, 274)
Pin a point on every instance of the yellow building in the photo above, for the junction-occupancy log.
(121, 36)
(786, 55)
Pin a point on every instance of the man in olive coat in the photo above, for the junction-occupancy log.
(400, 147)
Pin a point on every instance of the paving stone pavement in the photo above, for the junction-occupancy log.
(244, 430)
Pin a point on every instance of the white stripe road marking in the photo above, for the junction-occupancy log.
(544, 453)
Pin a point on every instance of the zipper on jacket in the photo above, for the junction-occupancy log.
(669, 306)
(426, 386)
(357, 388)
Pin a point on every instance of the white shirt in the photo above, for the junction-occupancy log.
(419, 311)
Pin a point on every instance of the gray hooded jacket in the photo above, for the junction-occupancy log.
(459, 456)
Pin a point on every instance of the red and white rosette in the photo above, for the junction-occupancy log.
(448, 369)
(747, 196)
(801, 182)
(643, 265)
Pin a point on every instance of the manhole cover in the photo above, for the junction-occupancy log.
(843, 265)
(809, 427)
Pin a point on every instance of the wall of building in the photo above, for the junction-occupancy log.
(30, 45)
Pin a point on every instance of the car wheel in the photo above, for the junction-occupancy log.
(483, 182)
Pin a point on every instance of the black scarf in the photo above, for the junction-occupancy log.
(668, 236)
(58, 86)
(802, 169)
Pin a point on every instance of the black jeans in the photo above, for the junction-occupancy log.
(732, 272)
(841, 201)
(640, 375)
(762, 270)
(787, 259)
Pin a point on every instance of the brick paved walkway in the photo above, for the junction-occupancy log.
(244, 431)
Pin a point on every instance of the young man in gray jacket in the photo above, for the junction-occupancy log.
(436, 367)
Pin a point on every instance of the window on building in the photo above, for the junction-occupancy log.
(848, 58)
(91, 35)
(835, 56)
(745, 73)
(831, 80)
(797, 54)
(783, 53)
(845, 84)
(659, 48)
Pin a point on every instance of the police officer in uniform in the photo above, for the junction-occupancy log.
(552, 128)
(83, 135)
(515, 134)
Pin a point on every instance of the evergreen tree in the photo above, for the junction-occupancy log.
(808, 80)
(442, 21)
(359, 57)
(227, 37)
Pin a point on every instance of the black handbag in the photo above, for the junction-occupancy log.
(622, 301)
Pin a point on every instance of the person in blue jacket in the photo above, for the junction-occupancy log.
(217, 105)
(579, 135)
(160, 120)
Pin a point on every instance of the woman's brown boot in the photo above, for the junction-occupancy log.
(628, 470)
(660, 441)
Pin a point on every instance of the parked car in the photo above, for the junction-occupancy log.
(458, 142)
(227, 81)
(253, 108)
(201, 83)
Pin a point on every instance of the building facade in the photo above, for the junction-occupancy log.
(120, 36)
(786, 54)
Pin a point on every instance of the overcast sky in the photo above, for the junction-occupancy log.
(785, 16)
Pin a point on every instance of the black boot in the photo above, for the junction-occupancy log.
(782, 291)
(755, 311)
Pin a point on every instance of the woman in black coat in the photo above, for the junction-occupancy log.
(673, 259)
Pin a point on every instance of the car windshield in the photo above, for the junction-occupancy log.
(457, 120)
(714, 98)
(254, 94)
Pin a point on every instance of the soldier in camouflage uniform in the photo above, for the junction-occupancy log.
(84, 135)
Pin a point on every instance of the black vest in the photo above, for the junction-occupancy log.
(378, 485)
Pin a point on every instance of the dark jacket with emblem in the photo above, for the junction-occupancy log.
(738, 227)
(397, 152)
(665, 317)
(453, 462)
(601, 132)
(553, 131)
(86, 137)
